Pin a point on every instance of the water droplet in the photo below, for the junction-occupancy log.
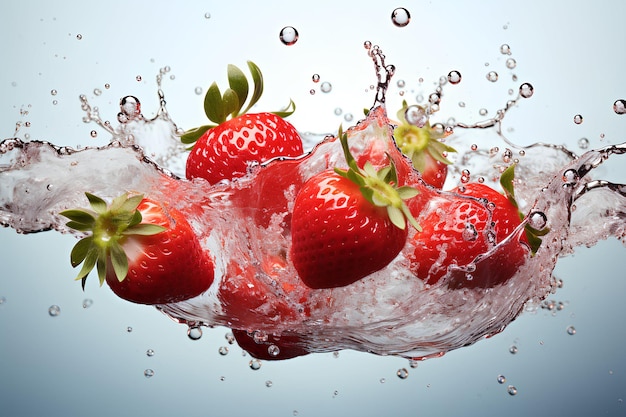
(93, 133)
(207, 15)
(255, 364)
(511, 63)
(367, 45)
(312, 91)
(268, 383)
(148, 373)
(150, 353)
(537, 220)
(492, 76)
(511, 390)
(461, 104)
(583, 143)
(316, 78)
(53, 92)
(505, 49)
(54, 310)
(382, 380)
(571, 330)
(401, 83)
(570, 177)
(416, 115)
(273, 350)
(400, 17)
(198, 90)
(526, 90)
(338, 111)
(130, 107)
(194, 332)
(413, 363)
(288, 35)
(469, 233)
(223, 350)
(138, 78)
(619, 107)
(79, 36)
(107, 86)
(474, 147)
(129, 329)
(434, 98)
(295, 412)
(97, 91)
(578, 119)
(3, 300)
(402, 373)
(326, 87)
(348, 117)
(483, 112)
(513, 349)
(454, 77)
(230, 338)
(55, 102)
(87, 302)
(501, 379)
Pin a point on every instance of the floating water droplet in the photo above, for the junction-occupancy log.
(138, 78)
(326, 87)
(269, 383)
(312, 91)
(474, 147)
(492, 76)
(578, 119)
(87, 302)
(382, 380)
(570, 177)
(367, 45)
(148, 373)
(3, 300)
(338, 111)
(511, 63)
(348, 117)
(93, 133)
(273, 350)
(223, 350)
(53, 92)
(571, 330)
(97, 91)
(295, 412)
(619, 107)
(513, 349)
(505, 49)
(402, 373)
(413, 363)
(401, 83)
(416, 115)
(255, 364)
(150, 353)
(230, 338)
(129, 329)
(54, 310)
(454, 77)
(483, 112)
(207, 15)
(461, 104)
(400, 17)
(79, 36)
(526, 90)
(288, 35)
(55, 102)
(511, 390)
(537, 220)
(316, 78)
(194, 332)
(501, 379)
(107, 86)
(583, 143)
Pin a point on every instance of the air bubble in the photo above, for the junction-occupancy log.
(198, 90)
(207, 15)
(326, 87)
(511, 63)
(578, 119)
(537, 220)
(348, 117)
(511, 390)
(255, 364)
(400, 17)
(571, 330)
(79, 36)
(223, 350)
(194, 332)
(288, 35)
(269, 383)
(505, 49)
(54, 310)
(316, 78)
(492, 76)
(583, 143)
(454, 77)
(513, 350)
(87, 302)
(416, 115)
(570, 177)
(526, 90)
(148, 373)
(501, 379)
(402, 373)
(97, 91)
(53, 92)
(150, 353)
(619, 107)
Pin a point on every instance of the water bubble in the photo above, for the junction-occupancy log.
(578, 119)
(150, 353)
(338, 111)
(3, 300)
(400, 17)
(255, 364)
(223, 350)
(138, 78)
(382, 380)
(107, 86)
(97, 91)
(230, 338)
(198, 90)
(526, 90)
(54, 310)
(273, 350)
(511, 390)
(148, 373)
(129, 329)
(93, 133)
(348, 117)
(402, 373)
(501, 379)
(367, 44)
(130, 106)
(483, 112)
(492, 76)
(619, 107)
(454, 77)
(326, 87)
(513, 349)
(537, 220)
(79, 36)
(511, 63)
(316, 78)
(416, 115)
(505, 49)
(194, 332)
(53, 92)
(312, 91)
(288, 35)
(583, 143)
(571, 330)
(570, 177)
(268, 383)
(207, 15)
(401, 83)
(87, 302)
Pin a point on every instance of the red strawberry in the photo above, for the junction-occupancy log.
(228, 149)
(146, 251)
(348, 224)
(457, 230)
(270, 347)
(421, 143)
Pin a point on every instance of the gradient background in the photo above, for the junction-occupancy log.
(84, 362)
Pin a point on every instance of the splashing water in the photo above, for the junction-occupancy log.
(388, 312)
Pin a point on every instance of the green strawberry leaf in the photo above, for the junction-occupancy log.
(239, 84)
(144, 229)
(192, 135)
(96, 203)
(80, 251)
(119, 260)
(230, 103)
(213, 106)
(257, 79)
(506, 181)
(287, 111)
(79, 217)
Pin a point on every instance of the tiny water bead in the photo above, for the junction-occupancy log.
(93, 133)
(54, 310)
(492, 76)
(148, 373)
(2, 300)
(269, 383)
(454, 77)
(583, 143)
(194, 332)
(53, 92)
(416, 116)
(288, 35)
(511, 63)
(505, 49)
(129, 329)
(619, 107)
(571, 330)
(402, 373)
(511, 390)
(578, 119)
(138, 78)
(526, 90)
(223, 350)
(255, 364)
(273, 350)
(87, 302)
(207, 15)
(326, 87)
(501, 379)
(316, 78)
(400, 17)
(150, 353)
(513, 349)
(230, 338)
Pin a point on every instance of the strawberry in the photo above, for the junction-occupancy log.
(270, 347)
(145, 251)
(421, 143)
(348, 224)
(456, 231)
(229, 148)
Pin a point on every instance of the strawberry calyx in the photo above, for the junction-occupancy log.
(417, 142)
(533, 235)
(219, 106)
(106, 226)
(379, 187)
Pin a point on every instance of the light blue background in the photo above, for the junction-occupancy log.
(84, 362)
